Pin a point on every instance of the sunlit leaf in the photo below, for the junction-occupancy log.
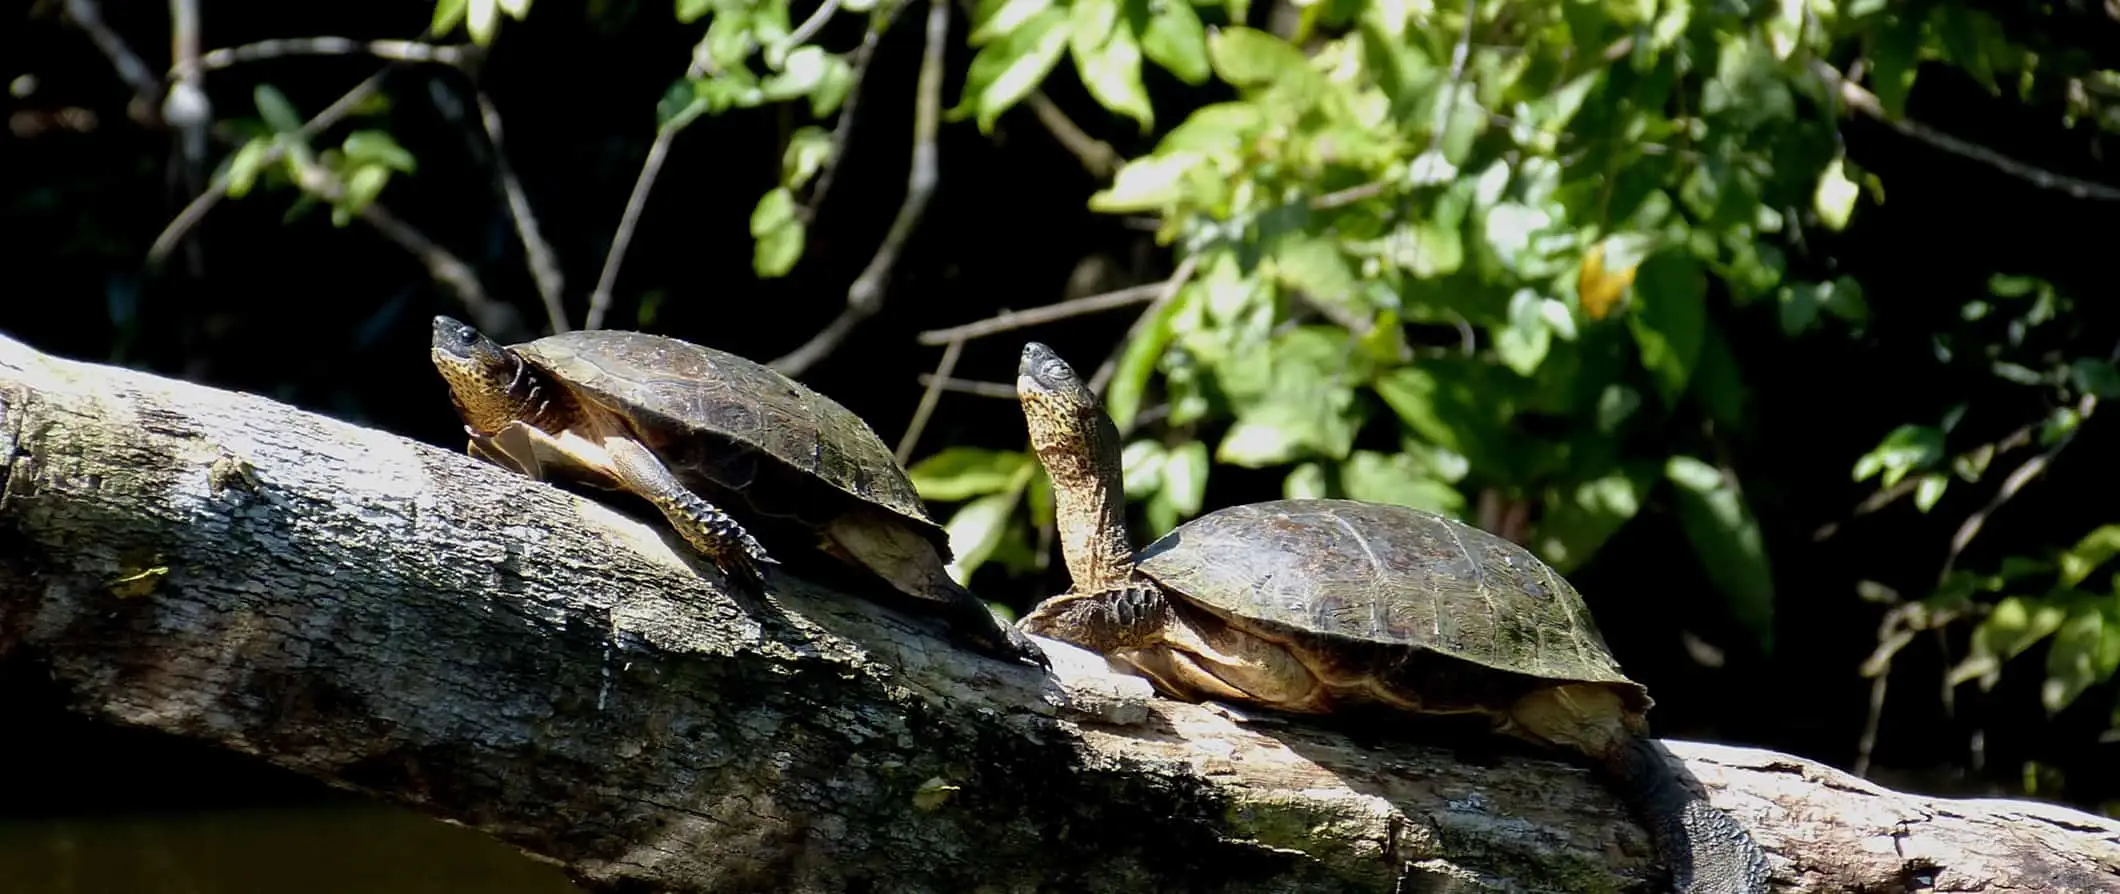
(1727, 539)
(1009, 68)
(975, 529)
(959, 473)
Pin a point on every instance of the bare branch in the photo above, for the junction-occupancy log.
(146, 87)
(1867, 103)
(453, 55)
(880, 21)
(1045, 313)
(1097, 156)
(815, 23)
(865, 296)
(943, 368)
(970, 386)
(658, 151)
(1177, 280)
(544, 262)
(441, 264)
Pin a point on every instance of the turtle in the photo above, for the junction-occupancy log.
(725, 448)
(1306, 606)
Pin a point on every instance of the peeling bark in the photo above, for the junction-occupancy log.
(401, 620)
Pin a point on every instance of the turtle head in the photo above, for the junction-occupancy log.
(489, 383)
(1057, 404)
(1079, 447)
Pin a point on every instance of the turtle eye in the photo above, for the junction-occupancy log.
(466, 336)
(1056, 370)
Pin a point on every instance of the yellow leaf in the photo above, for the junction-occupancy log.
(1600, 289)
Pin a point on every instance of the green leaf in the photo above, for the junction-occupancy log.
(1110, 65)
(1176, 40)
(1578, 520)
(363, 184)
(1668, 326)
(2085, 653)
(377, 147)
(1930, 489)
(447, 15)
(960, 473)
(779, 233)
(1427, 249)
(1146, 184)
(1090, 23)
(808, 149)
(483, 18)
(2095, 549)
(1122, 395)
(774, 210)
(1185, 478)
(2015, 624)
(1289, 426)
(1727, 540)
(1248, 57)
(1305, 482)
(2095, 377)
(1834, 199)
(1397, 479)
(975, 529)
(688, 11)
(1006, 70)
(1217, 128)
(1313, 264)
(1141, 467)
(1522, 344)
(1010, 16)
(279, 114)
(802, 72)
(832, 86)
(245, 165)
(1908, 448)
(1508, 230)
(1718, 384)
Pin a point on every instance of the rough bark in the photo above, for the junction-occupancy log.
(401, 620)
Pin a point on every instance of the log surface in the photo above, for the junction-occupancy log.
(401, 620)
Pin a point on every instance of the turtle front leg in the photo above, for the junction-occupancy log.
(704, 525)
(1133, 616)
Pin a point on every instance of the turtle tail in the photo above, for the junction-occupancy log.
(1707, 850)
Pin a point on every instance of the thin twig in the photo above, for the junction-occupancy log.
(658, 151)
(1044, 313)
(453, 55)
(1097, 156)
(1903, 622)
(544, 262)
(189, 110)
(971, 386)
(497, 318)
(943, 368)
(196, 211)
(1867, 103)
(1177, 280)
(865, 296)
(815, 23)
(131, 69)
(880, 21)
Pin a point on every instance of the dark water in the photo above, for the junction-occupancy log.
(87, 808)
(349, 849)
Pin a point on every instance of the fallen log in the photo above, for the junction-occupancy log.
(400, 620)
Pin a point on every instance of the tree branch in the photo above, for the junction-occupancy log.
(865, 295)
(401, 620)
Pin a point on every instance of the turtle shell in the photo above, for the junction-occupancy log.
(674, 392)
(1378, 574)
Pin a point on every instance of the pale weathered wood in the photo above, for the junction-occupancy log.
(401, 620)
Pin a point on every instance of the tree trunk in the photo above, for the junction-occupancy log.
(404, 621)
